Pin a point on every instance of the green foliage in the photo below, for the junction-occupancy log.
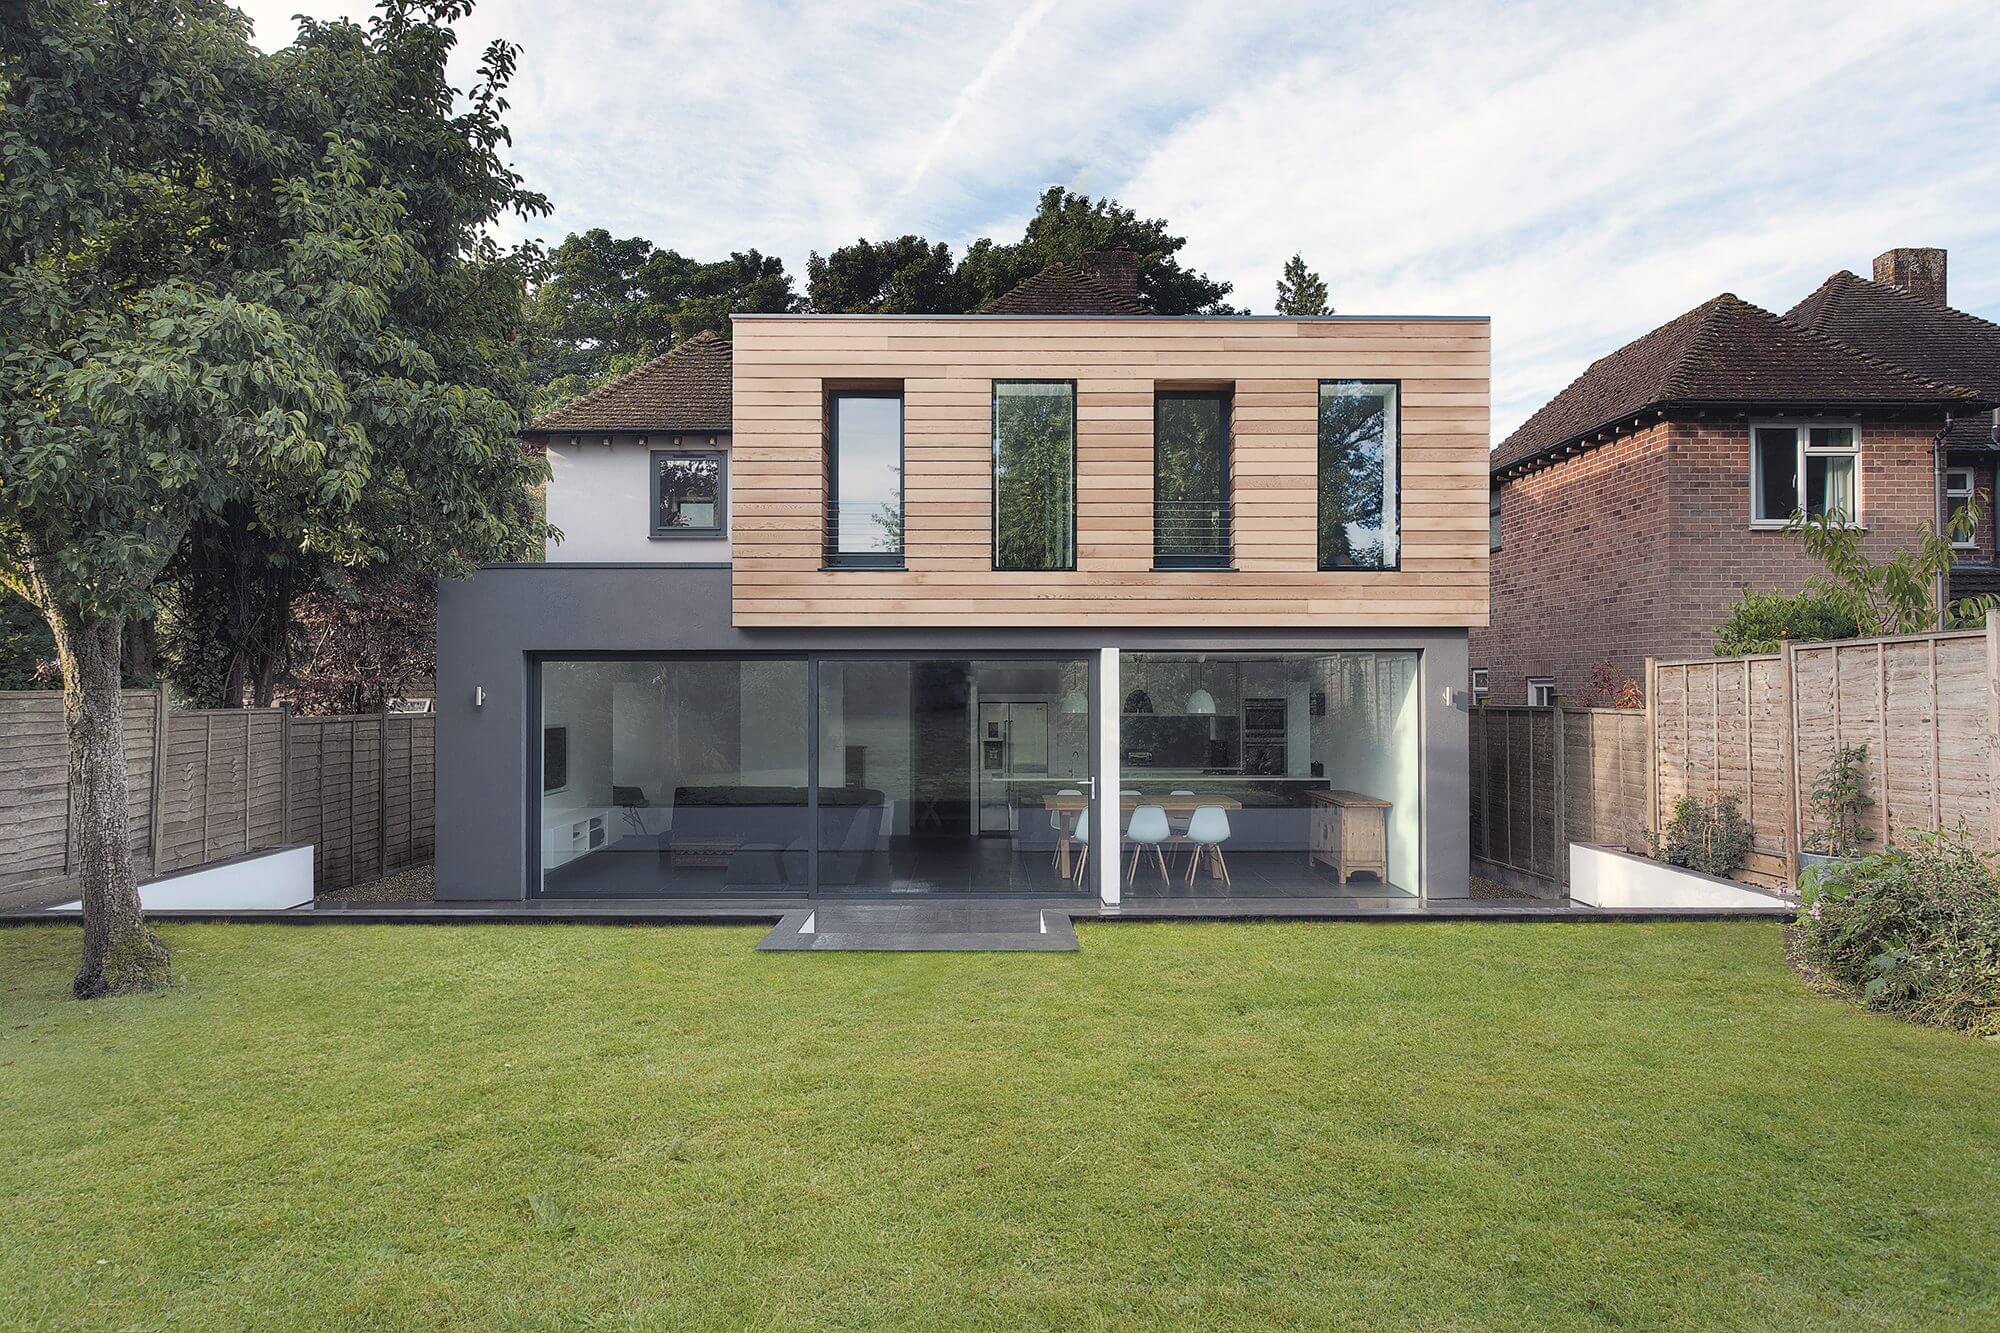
(1761, 622)
(1895, 596)
(906, 276)
(1301, 291)
(1839, 797)
(1066, 228)
(602, 305)
(27, 649)
(1915, 930)
(1708, 835)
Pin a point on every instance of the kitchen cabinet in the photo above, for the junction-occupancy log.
(1350, 832)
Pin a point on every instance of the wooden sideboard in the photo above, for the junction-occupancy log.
(1350, 832)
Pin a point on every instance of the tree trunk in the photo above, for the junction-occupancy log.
(119, 953)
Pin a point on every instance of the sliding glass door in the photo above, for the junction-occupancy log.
(952, 775)
(864, 775)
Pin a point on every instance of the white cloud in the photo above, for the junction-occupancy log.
(1581, 172)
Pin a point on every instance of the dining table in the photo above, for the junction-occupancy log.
(1127, 803)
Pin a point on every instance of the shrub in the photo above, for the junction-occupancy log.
(1710, 836)
(1839, 795)
(1915, 931)
(1760, 622)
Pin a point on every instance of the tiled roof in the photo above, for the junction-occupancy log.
(1724, 351)
(1915, 332)
(1065, 289)
(686, 388)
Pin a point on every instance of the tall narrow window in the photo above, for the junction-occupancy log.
(1034, 474)
(687, 494)
(1804, 469)
(1191, 528)
(1359, 517)
(1958, 492)
(864, 478)
(1493, 519)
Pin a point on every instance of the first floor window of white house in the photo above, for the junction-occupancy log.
(1542, 692)
(1797, 467)
(687, 494)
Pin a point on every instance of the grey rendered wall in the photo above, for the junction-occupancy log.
(489, 626)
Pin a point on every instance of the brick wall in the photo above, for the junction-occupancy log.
(1639, 548)
(1578, 578)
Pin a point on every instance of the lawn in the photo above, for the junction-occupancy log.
(1249, 1125)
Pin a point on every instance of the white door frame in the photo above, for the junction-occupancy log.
(1107, 829)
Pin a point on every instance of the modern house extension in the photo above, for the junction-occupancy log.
(1060, 601)
(1631, 511)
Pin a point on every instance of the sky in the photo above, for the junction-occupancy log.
(1580, 173)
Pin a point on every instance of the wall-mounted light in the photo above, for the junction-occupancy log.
(479, 696)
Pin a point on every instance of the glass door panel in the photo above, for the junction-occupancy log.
(951, 775)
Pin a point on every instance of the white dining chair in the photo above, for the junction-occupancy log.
(1148, 829)
(1081, 834)
(1207, 831)
(1057, 822)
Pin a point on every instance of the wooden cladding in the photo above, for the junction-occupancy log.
(946, 366)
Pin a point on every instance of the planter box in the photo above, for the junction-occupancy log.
(269, 881)
(1603, 877)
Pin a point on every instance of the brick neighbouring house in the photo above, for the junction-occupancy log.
(1626, 520)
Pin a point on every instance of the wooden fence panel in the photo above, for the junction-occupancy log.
(216, 783)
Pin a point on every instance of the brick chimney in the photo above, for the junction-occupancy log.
(1916, 270)
(1119, 269)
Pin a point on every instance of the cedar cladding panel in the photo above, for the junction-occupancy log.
(947, 368)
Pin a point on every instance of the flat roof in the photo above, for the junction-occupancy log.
(1220, 319)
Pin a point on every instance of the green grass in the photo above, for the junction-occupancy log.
(1183, 1125)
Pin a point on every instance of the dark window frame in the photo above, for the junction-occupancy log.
(993, 497)
(1227, 399)
(721, 526)
(831, 557)
(1319, 556)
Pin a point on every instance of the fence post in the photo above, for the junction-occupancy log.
(1993, 730)
(1561, 876)
(157, 816)
(382, 791)
(1789, 735)
(285, 774)
(1652, 748)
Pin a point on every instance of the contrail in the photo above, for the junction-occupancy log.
(968, 96)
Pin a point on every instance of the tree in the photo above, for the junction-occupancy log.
(440, 408)
(602, 305)
(27, 649)
(1301, 291)
(906, 276)
(1761, 622)
(1895, 596)
(199, 315)
(1067, 227)
(363, 642)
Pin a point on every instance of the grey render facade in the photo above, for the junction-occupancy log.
(709, 714)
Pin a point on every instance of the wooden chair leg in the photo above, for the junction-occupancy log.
(1132, 873)
(1161, 857)
(1222, 863)
(1082, 860)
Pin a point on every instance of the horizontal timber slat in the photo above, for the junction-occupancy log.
(946, 368)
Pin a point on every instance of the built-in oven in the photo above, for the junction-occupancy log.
(1264, 736)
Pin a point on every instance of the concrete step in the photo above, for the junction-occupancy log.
(925, 928)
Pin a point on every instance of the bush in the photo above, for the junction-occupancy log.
(1710, 836)
(1915, 931)
(1760, 622)
(1839, 797)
